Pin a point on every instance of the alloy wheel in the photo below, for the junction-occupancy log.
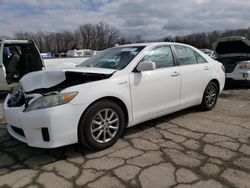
(105, 125)
(210, 96)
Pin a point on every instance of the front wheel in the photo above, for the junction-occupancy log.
(210, 96)
(102, 125)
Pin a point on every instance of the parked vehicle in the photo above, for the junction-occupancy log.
(81, 53)
(234, 53)
(117, 88)
(207, 51)
(17, 58)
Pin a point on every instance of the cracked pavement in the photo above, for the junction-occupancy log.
(185, 149)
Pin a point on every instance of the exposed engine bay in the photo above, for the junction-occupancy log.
(19, 97)
(234, 53)
(16, 99)
(72, 79)
(231, 62)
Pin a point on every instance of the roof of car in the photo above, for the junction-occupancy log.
(152, 44)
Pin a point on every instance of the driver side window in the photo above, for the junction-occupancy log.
(161, 56)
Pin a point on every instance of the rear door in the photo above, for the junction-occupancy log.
(195, 73)
(3, 82)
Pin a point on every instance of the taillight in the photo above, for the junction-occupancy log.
(223, 68)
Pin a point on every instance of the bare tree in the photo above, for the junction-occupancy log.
(139, 39)
(88, 36)
(97, 36)
(205, 40)
(101, 36)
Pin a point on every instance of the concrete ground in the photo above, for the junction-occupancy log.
(186, 149)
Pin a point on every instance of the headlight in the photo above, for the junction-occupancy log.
(50, 101)
(245, 65)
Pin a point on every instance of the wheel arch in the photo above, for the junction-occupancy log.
(110, 98)
(216, 82)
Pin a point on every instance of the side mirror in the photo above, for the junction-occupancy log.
(145, 66)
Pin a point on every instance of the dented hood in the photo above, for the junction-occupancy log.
(228, 46)
(56, 80)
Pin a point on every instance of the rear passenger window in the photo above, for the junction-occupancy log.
(161, 55)
(185, 55)
(199, 58)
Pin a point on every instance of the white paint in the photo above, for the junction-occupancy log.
(41, 79)
(239, 74)
(49, 78)
(146, 95)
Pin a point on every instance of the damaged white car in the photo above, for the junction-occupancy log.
(234, 53)
(119, 87)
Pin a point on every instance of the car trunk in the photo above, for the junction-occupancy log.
(19, 58)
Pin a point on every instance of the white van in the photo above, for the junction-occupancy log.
(17, 58)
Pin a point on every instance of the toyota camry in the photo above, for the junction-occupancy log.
(119, 87)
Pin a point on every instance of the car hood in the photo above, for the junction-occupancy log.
(232, 46)
(56, 80)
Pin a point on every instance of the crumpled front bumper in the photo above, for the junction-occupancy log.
(59, 123)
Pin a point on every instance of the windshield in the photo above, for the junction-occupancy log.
(113, 58)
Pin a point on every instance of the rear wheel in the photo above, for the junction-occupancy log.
(102, 125)
(210, 96)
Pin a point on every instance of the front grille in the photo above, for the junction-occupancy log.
(229, 67)
(18, 131)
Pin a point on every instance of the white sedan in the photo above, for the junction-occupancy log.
(122, 86)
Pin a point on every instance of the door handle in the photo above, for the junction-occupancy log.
(206, 68)
(175, 74)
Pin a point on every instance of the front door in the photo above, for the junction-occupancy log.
(156, 91)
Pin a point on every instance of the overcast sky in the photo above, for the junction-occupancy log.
(150, 18)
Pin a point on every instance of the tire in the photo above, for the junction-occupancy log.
(101, 125)
(210, 96)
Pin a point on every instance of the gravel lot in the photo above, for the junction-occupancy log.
(186, 149)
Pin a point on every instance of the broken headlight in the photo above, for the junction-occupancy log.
(245, 65)
(50, 101)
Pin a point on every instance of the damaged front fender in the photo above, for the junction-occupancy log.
(51, 82)
(55, 81)
(42, 79)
